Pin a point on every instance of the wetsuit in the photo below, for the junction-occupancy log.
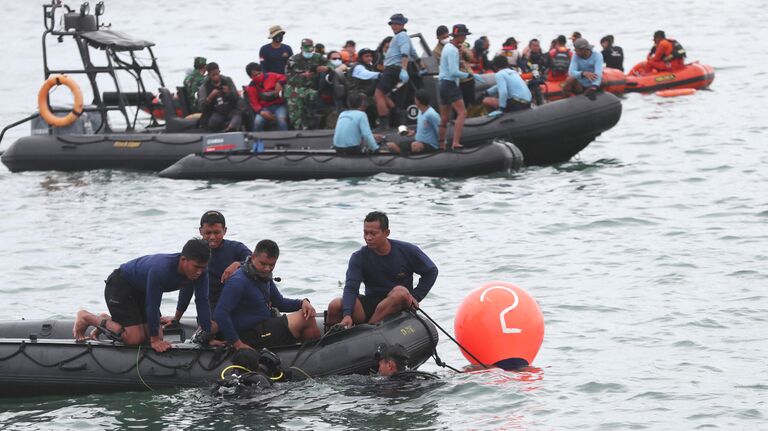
(381, 274)
(614, 57)
(134, 291)
(228, 253)
(244, 311)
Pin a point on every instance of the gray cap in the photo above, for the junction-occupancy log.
(581, 43)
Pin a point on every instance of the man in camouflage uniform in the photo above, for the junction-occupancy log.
(301, 90)
(192, 83)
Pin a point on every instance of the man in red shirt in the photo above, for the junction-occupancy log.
(265, 96)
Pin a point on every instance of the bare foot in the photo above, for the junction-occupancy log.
(96, 331)
(81, 324)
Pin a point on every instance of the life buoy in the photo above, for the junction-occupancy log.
(42, 101)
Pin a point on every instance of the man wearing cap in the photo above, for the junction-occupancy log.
(443, 37)
(362, 78)
(274, 56)
(226, 255)
(448, 86)
(395, 66)
(192, 83)
(301, 91)
(586, 70)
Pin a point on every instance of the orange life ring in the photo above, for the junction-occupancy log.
(42, 101)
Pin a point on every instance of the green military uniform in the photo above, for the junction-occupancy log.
(300, 91)
(192, 83)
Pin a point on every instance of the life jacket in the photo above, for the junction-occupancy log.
(365, 86)
(561, 59)
(678, 52)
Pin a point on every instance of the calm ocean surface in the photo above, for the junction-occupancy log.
(647, 252)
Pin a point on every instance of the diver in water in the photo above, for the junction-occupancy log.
(251, 371)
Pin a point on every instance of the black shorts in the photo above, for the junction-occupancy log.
(370, 302)
(348, 151)
(449, 92)
(388, 79)
(269, 333)
(405, 148)
(516, 105)
(126, 304)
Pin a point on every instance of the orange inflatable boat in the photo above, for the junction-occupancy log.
(693, 75)
(614, 82)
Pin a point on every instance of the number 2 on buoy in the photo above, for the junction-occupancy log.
(503, 313)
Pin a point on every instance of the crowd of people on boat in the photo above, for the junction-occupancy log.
(237, 300)
(339, 89)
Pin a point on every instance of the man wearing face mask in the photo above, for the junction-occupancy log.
(247, 313)
(274, 56)
(443, 37)
(301, 91)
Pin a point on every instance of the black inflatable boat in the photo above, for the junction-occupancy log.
(316, 164)
(39, 357)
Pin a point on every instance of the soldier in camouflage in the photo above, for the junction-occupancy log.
(192, 83)
(301, 91)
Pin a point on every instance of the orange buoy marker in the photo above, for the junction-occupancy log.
(500, 324)
(672, 92)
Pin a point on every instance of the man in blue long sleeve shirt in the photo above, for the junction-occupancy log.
(512, 92)
(386, 266)
(586, 70)
(244, 313)
(352, 128)
(395, 66)
(226, 255)
(133, 293)
(448, 87)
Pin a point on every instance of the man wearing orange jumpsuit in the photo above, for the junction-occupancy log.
(663, 56)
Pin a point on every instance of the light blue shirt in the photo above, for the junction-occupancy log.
(593, 63)
(427, 123)
(399, 47)
(509, 85)
(449, 64)
(360, 72)
(351, 128)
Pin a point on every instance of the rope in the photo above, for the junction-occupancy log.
(451, 338)
(300, 370)
(138, 371)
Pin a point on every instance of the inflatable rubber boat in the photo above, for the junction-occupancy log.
(107, 132)
(692, 75)
(317, 164)
(614, 81)
(39, 357)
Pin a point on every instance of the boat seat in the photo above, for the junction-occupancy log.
(181, 94)
(172, 122)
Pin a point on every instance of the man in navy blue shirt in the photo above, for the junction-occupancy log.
(134, 291)
(386, 266)
(226, 255)
(245, 310)
(274, 56)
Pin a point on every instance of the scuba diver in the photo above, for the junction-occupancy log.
(251, 371)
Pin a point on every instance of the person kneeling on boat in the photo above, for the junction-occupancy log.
(585, 72)
(244, 314)
(219, 102)
(426, 133)
(386, 266)
(353, 133)
(512, 92)
(666, 54)
(134, 291)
